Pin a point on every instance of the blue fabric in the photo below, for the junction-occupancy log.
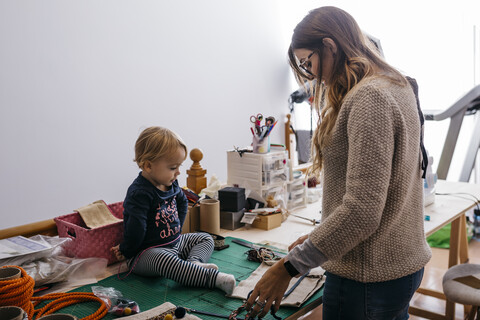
(152, 217)
(347, 299)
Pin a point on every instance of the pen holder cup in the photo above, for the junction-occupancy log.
(261, 145)
(210, 216)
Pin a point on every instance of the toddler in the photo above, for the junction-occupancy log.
(154, 211)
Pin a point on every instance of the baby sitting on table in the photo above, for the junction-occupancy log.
(154, 212)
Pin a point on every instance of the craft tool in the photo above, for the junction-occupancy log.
(296, 284)
(244, 243)
(180, 313)
(257, 120)
(270, 129)
(263, 132)
(43, 288)
(314, 221)
(269, 121)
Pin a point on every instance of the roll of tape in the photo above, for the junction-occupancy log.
(12, 313)
(59, 316)
(10, 273)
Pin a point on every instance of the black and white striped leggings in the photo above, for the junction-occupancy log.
(175, 262)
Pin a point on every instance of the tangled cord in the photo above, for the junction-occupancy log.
(262, 255)
(19, 292)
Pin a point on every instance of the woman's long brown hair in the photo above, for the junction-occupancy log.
(355, 59)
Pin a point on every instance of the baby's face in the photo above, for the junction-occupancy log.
(165, 171)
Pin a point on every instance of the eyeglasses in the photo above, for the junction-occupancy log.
(306, 65)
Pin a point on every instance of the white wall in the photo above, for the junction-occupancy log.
(79, 80)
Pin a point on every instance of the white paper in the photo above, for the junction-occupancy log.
(248, 218)
(20, 246)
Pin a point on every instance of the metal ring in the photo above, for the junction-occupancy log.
(261, 304)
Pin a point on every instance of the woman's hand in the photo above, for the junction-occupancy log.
(116, 251)
(270, 289)
(297, 242)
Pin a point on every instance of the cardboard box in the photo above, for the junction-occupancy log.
(192, 220)
(268, 222)
(231, 220)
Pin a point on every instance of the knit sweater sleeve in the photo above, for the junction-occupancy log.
(305, 257)
(370, 132)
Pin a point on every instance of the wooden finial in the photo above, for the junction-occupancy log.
(196, 180)
(288, 131)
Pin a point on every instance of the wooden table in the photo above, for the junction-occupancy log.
(446, 209)
(282, 237)
(288, 232)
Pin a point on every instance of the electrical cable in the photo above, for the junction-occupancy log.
(458, 195)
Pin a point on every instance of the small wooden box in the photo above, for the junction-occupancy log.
(268, 222)
(192, 220)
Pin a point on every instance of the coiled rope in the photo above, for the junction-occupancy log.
(19, 292)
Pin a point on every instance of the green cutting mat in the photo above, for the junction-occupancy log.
(152, 292)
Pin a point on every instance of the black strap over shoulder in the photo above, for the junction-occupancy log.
(414, 85)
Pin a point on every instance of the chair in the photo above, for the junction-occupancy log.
(461, 284)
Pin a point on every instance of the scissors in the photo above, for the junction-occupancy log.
(257, 120)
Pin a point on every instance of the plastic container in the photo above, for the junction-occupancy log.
(261, 145)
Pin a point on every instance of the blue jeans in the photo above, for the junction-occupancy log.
(347, 299)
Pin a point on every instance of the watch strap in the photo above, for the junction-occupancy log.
(290, 269)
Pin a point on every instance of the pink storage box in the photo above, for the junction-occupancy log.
(95, 242)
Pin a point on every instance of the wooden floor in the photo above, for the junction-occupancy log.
(434, 272)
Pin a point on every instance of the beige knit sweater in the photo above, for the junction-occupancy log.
(372, 217)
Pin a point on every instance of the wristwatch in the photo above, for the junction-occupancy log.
(290, 269)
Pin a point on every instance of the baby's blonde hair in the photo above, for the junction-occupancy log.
(155, 143)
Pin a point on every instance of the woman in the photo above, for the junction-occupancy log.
(371, 240)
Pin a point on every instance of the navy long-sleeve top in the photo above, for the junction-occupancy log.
(152, 217)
